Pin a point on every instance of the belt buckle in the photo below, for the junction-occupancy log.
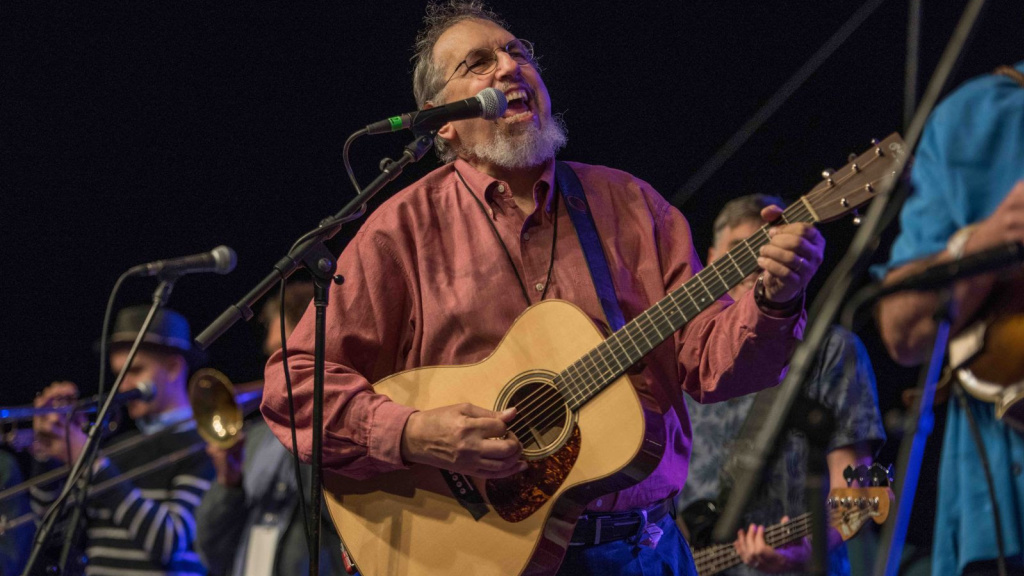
(641, 529)
(648, 534)
(598, 526)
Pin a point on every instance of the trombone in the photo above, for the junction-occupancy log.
(219, 409)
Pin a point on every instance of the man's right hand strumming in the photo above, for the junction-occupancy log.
(464, 438)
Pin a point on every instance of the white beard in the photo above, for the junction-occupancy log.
(522, 145)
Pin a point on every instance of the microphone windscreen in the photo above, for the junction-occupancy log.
(147, 390)
(494, 103)
(224, 258)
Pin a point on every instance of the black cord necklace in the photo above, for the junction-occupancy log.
(511, 262)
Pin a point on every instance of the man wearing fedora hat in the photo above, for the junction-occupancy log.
(145, 524)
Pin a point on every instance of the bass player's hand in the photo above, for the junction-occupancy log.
(464, 438)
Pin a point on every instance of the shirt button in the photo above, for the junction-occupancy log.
(501, 188)
(599, 502)
(526, 236)
(539, 286)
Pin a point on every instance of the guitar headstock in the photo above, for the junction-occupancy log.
(853, 185)
(850, 508)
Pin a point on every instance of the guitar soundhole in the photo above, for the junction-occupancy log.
(543, 420)
(547, 429)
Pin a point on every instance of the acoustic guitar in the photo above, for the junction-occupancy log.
(849, 509)
(586, 430)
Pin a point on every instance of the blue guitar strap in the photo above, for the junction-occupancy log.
(583, 221)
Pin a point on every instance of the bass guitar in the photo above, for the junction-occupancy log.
(586, 430)
(849, 509)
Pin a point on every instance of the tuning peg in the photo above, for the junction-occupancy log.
(850, 475)
(874, 141)
(851, 157)
(856, 217)
(880, 475)
(827, 175)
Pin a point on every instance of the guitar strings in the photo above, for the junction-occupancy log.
(722, 556)
(745, 263)
(551, 405)
(552, 409)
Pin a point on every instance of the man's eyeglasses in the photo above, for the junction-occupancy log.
(485, 60)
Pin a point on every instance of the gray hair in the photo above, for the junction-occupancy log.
(427, 77)
(742, 209)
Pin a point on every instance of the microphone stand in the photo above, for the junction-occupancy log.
(920, 420)
(309, 251)
(86, 459)
(751, 457)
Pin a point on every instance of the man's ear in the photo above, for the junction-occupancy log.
(176, 366)
(711, 255)
(447, 131)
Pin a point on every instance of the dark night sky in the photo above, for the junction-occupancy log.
(138, 131)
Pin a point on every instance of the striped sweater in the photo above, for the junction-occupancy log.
(144, 526)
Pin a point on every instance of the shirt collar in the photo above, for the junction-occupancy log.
(543, 189)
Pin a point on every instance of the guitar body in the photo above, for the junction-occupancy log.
(409, 522)
(994, 371)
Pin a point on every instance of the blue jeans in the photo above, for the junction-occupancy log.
(670, 558)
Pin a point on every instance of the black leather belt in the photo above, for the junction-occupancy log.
(594, 528)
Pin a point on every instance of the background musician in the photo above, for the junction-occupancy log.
(145, 524)
(968, 195)
(842, 381)
(250, 522)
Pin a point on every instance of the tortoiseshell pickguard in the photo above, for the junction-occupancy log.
(516, 497)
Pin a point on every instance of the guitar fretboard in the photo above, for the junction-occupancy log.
(583, 379)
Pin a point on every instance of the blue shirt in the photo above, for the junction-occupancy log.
(971, 154)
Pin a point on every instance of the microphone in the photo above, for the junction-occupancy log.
(1002, 256)
(220, 260)
(489, 104)
(144, 391)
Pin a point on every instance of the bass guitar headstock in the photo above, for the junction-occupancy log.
(850, 508)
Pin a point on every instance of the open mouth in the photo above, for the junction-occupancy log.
(518, 104)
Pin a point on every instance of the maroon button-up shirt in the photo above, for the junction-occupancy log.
(428, 283)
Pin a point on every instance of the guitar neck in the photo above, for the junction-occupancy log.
(715, 559)
(583, 379)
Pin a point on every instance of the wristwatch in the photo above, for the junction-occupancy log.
(789, 307)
